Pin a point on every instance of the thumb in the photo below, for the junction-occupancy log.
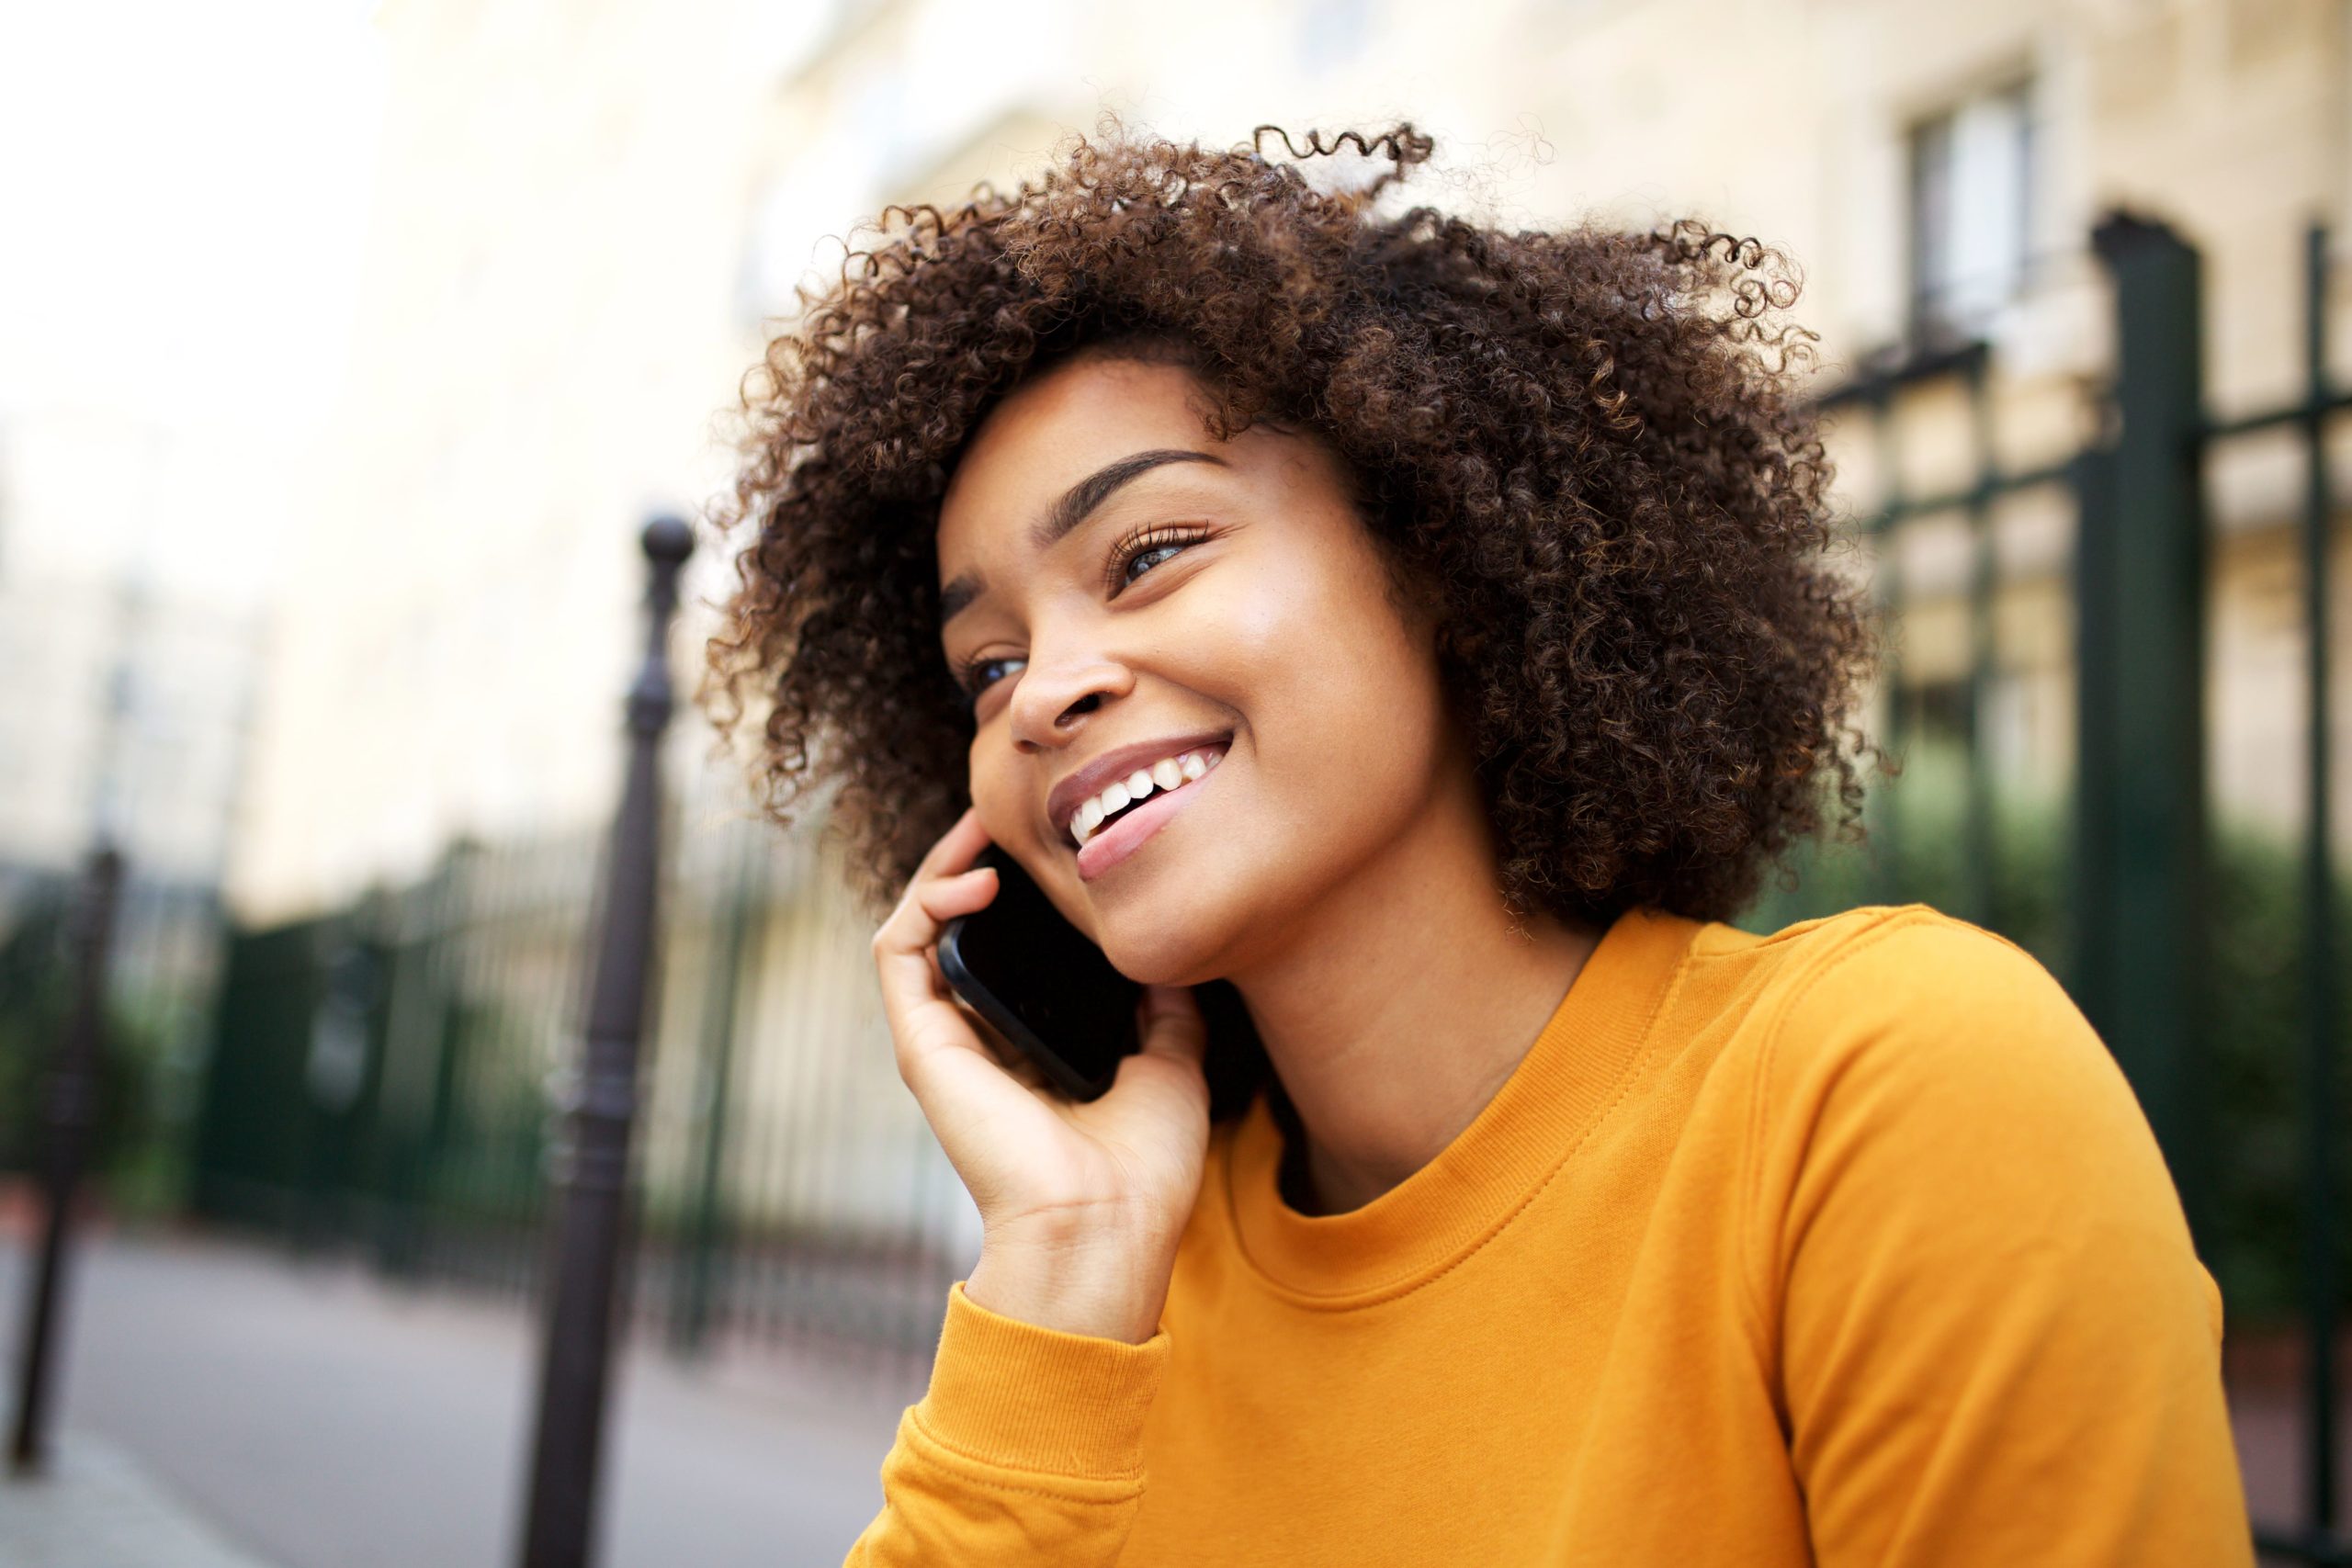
(1173, 1025)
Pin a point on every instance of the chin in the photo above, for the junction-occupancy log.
(1173, 940)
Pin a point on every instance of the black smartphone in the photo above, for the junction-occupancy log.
(1042, 983)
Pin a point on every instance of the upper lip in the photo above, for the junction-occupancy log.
(1074, 790)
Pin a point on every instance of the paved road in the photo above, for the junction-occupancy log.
(319, 1418)
(94, 1507)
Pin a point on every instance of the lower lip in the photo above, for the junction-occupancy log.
(1125, 836)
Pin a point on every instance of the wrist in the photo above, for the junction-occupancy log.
(1105, 1289)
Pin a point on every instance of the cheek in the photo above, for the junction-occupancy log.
(996, 787)
(1344, 705)
(1337, 672)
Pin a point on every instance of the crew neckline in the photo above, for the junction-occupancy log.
(1425, 1223)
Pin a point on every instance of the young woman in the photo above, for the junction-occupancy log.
(1470, 588)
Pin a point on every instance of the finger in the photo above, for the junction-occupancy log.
(906, 950)
(945, 898)
(928, 904)
(916, 997)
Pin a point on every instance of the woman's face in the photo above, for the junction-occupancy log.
(1119, 591)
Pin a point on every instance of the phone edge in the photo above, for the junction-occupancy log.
(966, 984)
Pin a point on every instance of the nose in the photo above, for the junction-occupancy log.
(1051, 699)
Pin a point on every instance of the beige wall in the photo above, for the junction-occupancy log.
(162, 764)
(584, 210)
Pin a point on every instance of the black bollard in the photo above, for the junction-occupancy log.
(598, 1107)
(69, 1112)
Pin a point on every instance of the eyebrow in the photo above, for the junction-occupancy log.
(1077, 503)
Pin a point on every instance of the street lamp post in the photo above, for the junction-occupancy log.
(599, 1107)
(70, 1114)
(71, 1097)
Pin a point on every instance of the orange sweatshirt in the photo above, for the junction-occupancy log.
(1843, 1245)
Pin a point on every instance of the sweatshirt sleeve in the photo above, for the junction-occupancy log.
(1994, 1340)
(1027, 1447)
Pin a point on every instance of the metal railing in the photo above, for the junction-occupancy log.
(381, 1080)
(2204, 953)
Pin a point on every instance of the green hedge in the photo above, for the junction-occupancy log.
(134, 1154)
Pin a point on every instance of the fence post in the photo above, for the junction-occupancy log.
(701, 1280)
(415, 1035)
(600, 1106)
(70, 1107)
(2321, 1101)
(1886, 587)
(2140, 797)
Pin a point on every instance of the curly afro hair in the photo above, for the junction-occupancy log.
(1591, 441)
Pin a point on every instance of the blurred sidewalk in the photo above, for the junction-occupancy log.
(314, 1416)
(95, 1508)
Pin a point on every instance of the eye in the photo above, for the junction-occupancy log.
(1144, 560)
(976, 675)
(1140, 553)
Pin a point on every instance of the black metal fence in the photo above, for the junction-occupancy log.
(2203, 945)
(383, 1075)
(169, 939)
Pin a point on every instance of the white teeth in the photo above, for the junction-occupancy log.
(1169, 772)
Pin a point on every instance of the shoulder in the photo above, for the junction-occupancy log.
(1932, 1078)
(1916, 947)
(1962, 1255)
(1905, 995)
(1938, 1063)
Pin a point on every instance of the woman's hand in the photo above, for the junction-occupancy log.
(1082, 1205)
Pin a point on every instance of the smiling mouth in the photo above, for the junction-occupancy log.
(1165, 776)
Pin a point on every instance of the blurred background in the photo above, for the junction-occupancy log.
(345, 348)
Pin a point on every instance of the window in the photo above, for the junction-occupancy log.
(1972, 198)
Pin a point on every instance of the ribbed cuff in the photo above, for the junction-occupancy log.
(1015, 1393)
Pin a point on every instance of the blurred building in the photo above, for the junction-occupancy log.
(587, 215)
(128, 708)
(124, 704)
(129, 698)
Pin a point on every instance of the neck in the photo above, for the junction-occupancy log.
(1397, 1011)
